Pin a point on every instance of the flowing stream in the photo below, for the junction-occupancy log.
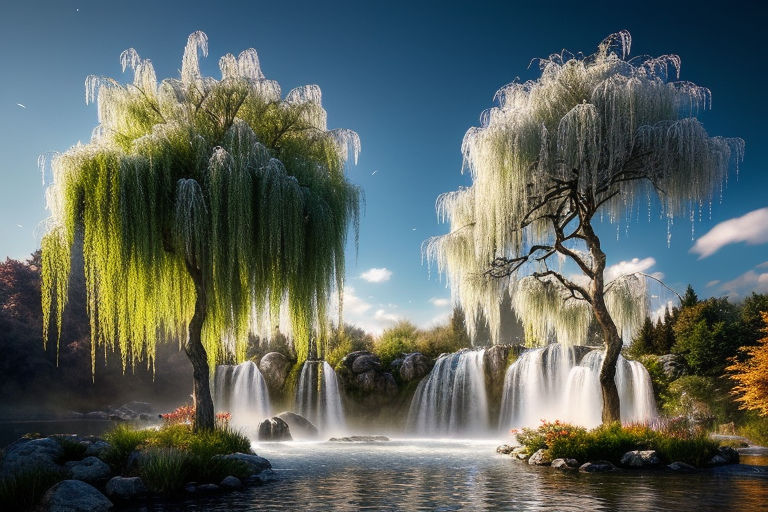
(318, 398)
(242, 391)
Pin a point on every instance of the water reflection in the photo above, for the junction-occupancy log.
(463, 475)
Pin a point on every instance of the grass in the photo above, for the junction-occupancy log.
(610, 442)
(23, 490)
(70, 450)
(172, 455)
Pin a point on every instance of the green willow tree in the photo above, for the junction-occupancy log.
(592, 138)
(208, 208)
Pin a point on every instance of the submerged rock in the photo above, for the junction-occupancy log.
(730, 455)
(568, 464)
(126, 487)
(74, 496)
(207, 488)
(274, 367)
(505, 449)
(274, 429)
(540, 458)
(255, 463)
(299, 425)
(231, 482)
(597, 466)
(358, 439)
(681, 467)
(640, 459)
(90, 469)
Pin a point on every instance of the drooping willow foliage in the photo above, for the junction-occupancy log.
(225, 176)
(623, 131)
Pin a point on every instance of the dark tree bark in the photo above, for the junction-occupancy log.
(204, 415)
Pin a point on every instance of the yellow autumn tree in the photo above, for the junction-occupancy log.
(751, 375)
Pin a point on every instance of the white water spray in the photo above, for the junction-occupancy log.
(242, 391)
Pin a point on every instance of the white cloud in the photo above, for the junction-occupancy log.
(751, 228)
(354, 304)
(661, 310)
(440, 302)
(382, 315)
(763, 265)
(359, 312)
(712, 283)
(377, 275)
(746, 283)
(623, 268)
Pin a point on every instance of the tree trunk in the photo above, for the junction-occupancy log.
(204, 416)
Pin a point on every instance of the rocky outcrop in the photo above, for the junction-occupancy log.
(540, 458)
(74, 496)
(640, 459)
(495, 362)
(274, 429)
(90, 469)
(274, 367)
(299, 426)
(597, 466)
(362, 375)
(414, 366)
(673, 365)
(255, 463)
(724, 455)
(126, 487)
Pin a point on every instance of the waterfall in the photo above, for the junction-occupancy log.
(546, 383)
(242, 391)
(452, 398)
(318, 398)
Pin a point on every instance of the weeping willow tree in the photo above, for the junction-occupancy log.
(207, 209)
(593, 138)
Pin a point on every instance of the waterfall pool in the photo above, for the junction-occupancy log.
(455, 474)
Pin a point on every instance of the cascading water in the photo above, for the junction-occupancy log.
(318, 398)
(242, 391)
(546, 383)
(452, 399)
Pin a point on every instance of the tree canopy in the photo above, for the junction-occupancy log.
(223, 183)
(593, 138)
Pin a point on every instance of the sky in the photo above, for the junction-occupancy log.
(410, 78)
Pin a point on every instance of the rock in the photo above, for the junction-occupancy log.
(540, 458)
(566, 464)
(640, 459)
(74, 496)
(190, 488)
(505, 449)
(261, 477)
(274, 429)
(365, 363)
(300, 426)
(377, 382)
(31, 453)
(350, 358)
(231, 482)
(358, 439)
(597, 466)
(96, 448)
(717, 460)
(255, 463)
(125, 487)
(579, 351)
(681, 467)
(495, 362)
(207, 488)
(415, 366)
(275, 366)
(90, 469)
(673, 365)
(730, 455)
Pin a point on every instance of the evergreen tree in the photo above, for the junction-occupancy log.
(689, 298)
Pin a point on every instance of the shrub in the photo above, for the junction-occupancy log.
(23, 490)
(70, 450)
(755, 428)
(441, 339)
(702, 400)
(396, 340)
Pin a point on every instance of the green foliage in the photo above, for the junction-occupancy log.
(343, 341)
(707, 334)
(123, 441)
(659, 379)
(611, 441)
(23, 490)
(165, 470)
(224, 180)
(703, 400)
(755, 428)
(643, 342)
(751, 318)
(398, 339)
(690, 298)
(70, 450)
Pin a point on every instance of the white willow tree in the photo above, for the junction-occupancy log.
(592, 138)
(208, 208)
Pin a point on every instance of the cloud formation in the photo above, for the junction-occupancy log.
(751, 228)
(377, 275)
(746, 283)
(623, 268)
(440, 302)
(359, 312)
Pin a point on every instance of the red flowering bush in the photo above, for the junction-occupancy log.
(185, 415)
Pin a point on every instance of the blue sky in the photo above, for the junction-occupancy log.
(410, 78)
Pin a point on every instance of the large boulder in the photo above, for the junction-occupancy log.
(565, 464)
(349, 360)
(640, 459)
(597, 466)
(376, 382)
(540, 458)
(255, 463)
(126, 487)
(275, 366)
(415, 366)
(365, 363)
(74, 496)
(90, 469)
(42, 453)
(673, 365)
(274, 429)
(300, 426)
(495, 362)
